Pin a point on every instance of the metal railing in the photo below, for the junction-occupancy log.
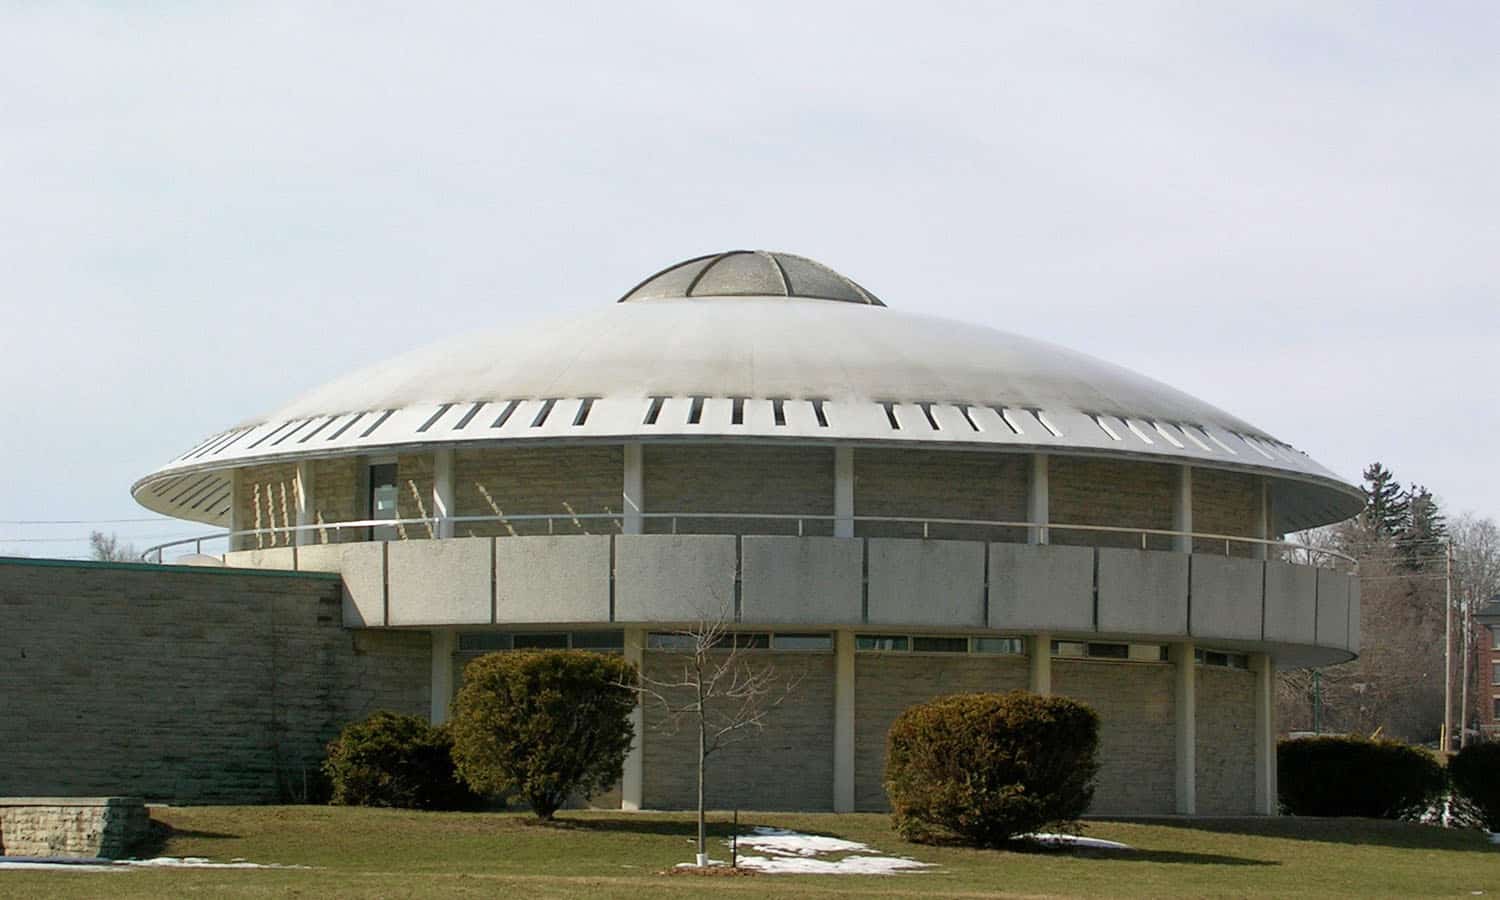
(573, 523)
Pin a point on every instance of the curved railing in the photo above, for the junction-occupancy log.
(435, 527)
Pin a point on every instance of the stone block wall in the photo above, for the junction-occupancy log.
(184, 684)
(1225, 503)
(788, 765)
(748, 479)
(72, 827)
(338, 496)
(538, 481)
(267, 498)
(1137, 743)
(1083, 491)
(941, 484)
(1225, 732)
(414, 494)
(886, 684)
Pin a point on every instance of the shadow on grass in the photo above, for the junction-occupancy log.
(1363, 832)
(159, 833)
(646, 824)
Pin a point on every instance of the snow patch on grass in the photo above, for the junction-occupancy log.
(792, 852)
(1074, 840)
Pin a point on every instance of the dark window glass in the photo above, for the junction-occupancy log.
(752, 641)
(541, 641)
(598, 640)
(880, 642)
(476, 643)
(1495, 638)
(940, 645)
(1497, 708)
(659, 640)
(802, 642)
(999, 645)
(1109, 651)
(383, 500)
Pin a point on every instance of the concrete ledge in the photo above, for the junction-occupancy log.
(552, 579)
(1226, 597)
(1143, 592)
(445, 582)
(1041, 587)
(800, 581)
(919, 582)
(104, 827)
(674, 577)
(1291, 603)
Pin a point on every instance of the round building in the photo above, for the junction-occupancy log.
(892, 506)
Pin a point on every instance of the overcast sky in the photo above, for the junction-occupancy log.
(1290, 210)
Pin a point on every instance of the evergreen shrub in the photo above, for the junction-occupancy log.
(1355, 776)
(544, 725)
(396, 761)
(1475, 773)
(984, 769)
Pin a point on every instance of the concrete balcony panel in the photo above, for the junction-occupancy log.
(1291, 603)
(917, 582)
(674, 577)
(1143, 592)
(321, 557)
(284, 558)
(552, 579)
(364, 585)
(1041, 587)
(1226, 597)
(444, 582)
(1333, 609)
(801, 581)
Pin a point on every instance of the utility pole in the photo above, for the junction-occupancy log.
(1448, 648)
(1463, 690)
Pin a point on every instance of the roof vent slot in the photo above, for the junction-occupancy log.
(778, 412)
(695, 411)
(654, 410)
(1041, 418)
(543, 413)
(927, 411)
(378, 422)
(346, 426)
(737, 411)
(1004, 415)
(314, 433)
(968, 417)
(1167, 435)
(1137, 430)
(890, 415)
(468, 417)
(1187, 432)
(585, 406)
(505, 414)
(818, 413)
(1213, 437)
(1104, 427)
(432, 420)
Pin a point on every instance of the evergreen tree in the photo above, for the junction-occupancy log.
(1420, 540)
(1386, 508)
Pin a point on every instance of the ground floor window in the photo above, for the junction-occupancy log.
(1103, 650)
(922, 643)
(1217, 658)
(487, 641)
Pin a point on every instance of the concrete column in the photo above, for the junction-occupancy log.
(444, 642)
(306, 503)
(633, 494)
(443, 504)
(843, 722)
(1184, 718)
(1041, 663)
(843, 492)
(235, 524)
(1182, 510)
(1262, 523)
(1037, 506)
(633, 779)
(1264, 734)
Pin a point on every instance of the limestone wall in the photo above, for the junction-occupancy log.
(941, 484)
(1137, 744)
(1082, 491)
(189, 685)
(743, 479)
(76, 827)
(554, 481)
(789, 765)
(1225, 732)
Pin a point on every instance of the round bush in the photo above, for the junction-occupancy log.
(1475, 773)
(1354, 776)
(396, 761)
(986, 768)
(544, 725)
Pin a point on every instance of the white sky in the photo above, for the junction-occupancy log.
(1289, 212)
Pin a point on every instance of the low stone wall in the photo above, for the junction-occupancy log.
(105, 827)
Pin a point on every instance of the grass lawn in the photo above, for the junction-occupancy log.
(384, 853)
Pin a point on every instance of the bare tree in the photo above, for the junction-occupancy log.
(108, 548)
(1476, 578)
(720, 690)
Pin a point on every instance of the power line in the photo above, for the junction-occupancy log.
(85, 521)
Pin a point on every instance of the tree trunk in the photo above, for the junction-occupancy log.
(702, 758)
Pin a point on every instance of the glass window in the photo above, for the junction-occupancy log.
(999, 645)
(1109, 651)
(549, 641)
(1494, 674)
(752, 641)
(1070, 648)
(483, 642)
(1495, 637)
(1497, 708)
(658, 640)
(598, 640)
(802, 641)
(1148, 652)
(880, 642)
(940, 645)
(383, 500)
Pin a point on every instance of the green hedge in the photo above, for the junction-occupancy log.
(986, 768)
(1475, 773)
(1352, 776)
(397, 761)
